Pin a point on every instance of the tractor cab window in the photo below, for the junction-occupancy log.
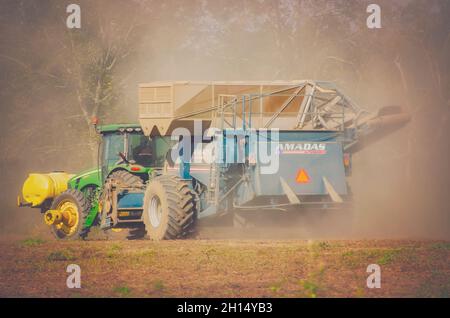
(148, 151)
(114, 143)
(140, 149)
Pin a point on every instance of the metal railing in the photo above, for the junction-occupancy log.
(311, 113)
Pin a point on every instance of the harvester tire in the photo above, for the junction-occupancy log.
(169, 208)
(74, 203)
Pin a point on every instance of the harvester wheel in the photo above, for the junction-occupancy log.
(67, 214)
(169, 208)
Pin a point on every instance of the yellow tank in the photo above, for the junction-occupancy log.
(38, 186)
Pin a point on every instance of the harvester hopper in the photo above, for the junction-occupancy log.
(286, 105)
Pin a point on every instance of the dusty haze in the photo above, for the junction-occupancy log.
(49, 77)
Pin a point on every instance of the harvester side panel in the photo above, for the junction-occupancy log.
(304, 165)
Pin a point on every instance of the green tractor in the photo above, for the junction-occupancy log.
(127, 161)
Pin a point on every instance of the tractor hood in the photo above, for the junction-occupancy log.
(84, 178)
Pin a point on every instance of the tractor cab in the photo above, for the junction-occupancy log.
(125, 147)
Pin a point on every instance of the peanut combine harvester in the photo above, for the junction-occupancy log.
(206, 149)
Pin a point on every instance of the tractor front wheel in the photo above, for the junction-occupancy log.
(67, 214)
(169, 208)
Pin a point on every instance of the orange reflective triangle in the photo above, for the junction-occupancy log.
(302, 176)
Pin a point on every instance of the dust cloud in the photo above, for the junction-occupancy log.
(401, 183)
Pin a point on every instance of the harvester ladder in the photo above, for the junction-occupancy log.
(212, 183)
(216, 173)
(226, 114)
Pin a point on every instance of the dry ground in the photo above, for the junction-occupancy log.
(35, 267)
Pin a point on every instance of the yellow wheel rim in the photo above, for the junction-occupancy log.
(70, 218)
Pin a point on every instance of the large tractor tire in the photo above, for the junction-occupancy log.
(169, 208)
(67, 215)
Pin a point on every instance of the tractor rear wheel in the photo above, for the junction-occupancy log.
(169, 208)
(71, 208)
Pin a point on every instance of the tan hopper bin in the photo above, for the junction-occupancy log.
(304, 105)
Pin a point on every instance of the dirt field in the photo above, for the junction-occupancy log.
(35, 267)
